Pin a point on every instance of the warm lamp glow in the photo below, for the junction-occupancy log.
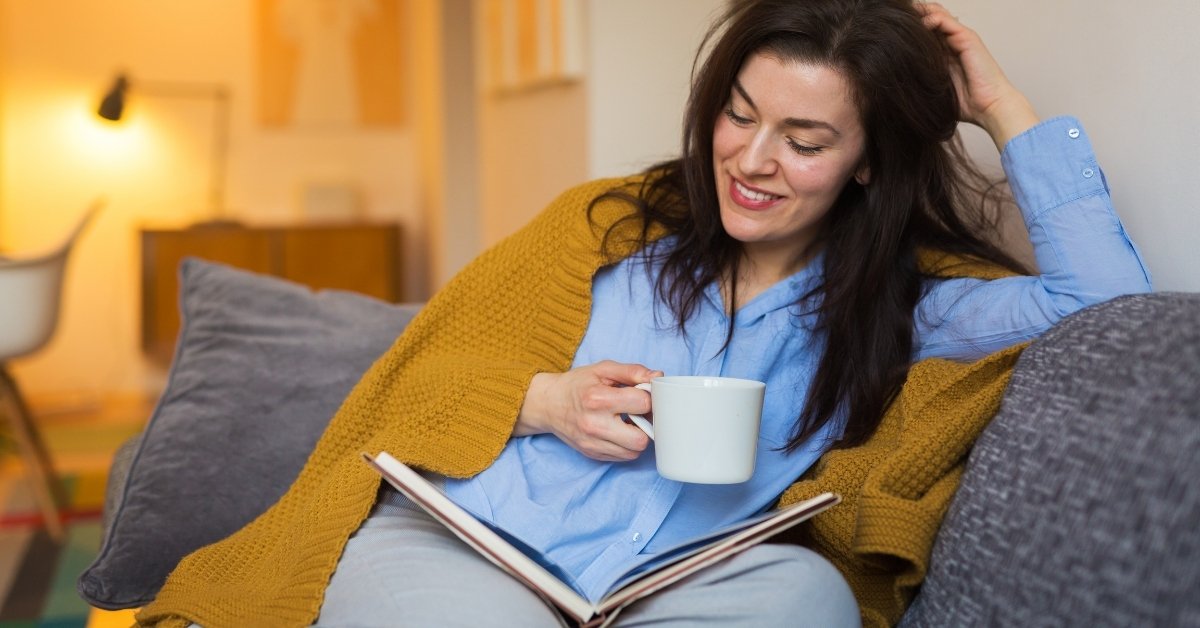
(112, 107)
(102, 142)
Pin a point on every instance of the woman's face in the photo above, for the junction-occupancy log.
(788, 142)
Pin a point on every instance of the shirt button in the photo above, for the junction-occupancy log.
(637, 536)
(1088, 172)
(1073, 133)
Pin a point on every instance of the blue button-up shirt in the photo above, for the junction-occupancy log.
(595, 520)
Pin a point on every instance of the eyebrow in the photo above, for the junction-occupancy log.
(801, 123)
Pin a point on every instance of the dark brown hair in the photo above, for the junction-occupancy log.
(923, 193)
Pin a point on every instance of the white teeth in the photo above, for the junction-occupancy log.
(752, 194)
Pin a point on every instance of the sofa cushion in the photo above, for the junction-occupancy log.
(1080, 503)
(260, 367)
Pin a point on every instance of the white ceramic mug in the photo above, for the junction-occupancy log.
(705, 429)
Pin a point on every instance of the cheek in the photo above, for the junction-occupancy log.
(726, 140)
(817, 176)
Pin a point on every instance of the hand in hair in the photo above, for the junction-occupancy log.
(583, 407)
(985, 95)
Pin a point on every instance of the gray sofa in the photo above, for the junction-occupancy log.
(1079, 505)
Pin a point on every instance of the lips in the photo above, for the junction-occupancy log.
(751, 198)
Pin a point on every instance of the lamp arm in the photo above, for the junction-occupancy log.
(180, 89)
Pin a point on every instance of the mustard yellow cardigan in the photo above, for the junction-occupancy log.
(445, 397)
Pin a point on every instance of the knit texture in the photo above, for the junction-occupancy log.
(445, 398)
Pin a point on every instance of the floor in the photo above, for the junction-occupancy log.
(37, 575)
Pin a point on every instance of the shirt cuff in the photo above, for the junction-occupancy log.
(1051, 164)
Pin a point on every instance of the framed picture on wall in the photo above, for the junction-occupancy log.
(331, 63)
(528, 44)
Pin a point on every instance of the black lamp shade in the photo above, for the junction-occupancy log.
(113, 103)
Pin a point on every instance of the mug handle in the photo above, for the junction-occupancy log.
(640, 421)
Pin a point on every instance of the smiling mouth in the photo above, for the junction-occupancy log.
(751, 199)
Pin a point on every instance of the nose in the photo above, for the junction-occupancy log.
(756, 157)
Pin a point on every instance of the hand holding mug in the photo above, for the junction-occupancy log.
(705, 429)
(582, 407)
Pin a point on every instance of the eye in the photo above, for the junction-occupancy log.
(736, 119)
(804, 149)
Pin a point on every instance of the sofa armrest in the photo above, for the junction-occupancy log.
(1078, 505)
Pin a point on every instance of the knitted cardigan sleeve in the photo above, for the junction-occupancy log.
(444, 397)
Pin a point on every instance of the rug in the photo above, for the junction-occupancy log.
(37, 574)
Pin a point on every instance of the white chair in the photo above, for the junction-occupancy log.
(30, 293)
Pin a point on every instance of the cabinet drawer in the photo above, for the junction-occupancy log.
(359, 258)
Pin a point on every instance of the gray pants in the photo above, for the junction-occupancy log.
(402, 568)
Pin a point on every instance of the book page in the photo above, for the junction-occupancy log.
(684, 549)
(548, 580)
(691, 557)
(536, 556)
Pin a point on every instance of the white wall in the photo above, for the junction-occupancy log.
(639, 66)
(1131, 72)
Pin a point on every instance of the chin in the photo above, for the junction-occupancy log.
(740, 228)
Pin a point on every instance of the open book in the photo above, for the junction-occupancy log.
(531, 568)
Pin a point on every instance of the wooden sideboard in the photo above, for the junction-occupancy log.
(359, 257)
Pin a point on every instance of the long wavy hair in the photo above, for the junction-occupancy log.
(923, 193)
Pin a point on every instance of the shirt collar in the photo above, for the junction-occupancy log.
(782, 294)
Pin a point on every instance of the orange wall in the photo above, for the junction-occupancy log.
(2, 65)
(56, 58)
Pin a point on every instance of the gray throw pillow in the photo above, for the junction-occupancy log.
(1079, 505)
(260, 367)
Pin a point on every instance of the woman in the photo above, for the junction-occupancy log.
(810, 236)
